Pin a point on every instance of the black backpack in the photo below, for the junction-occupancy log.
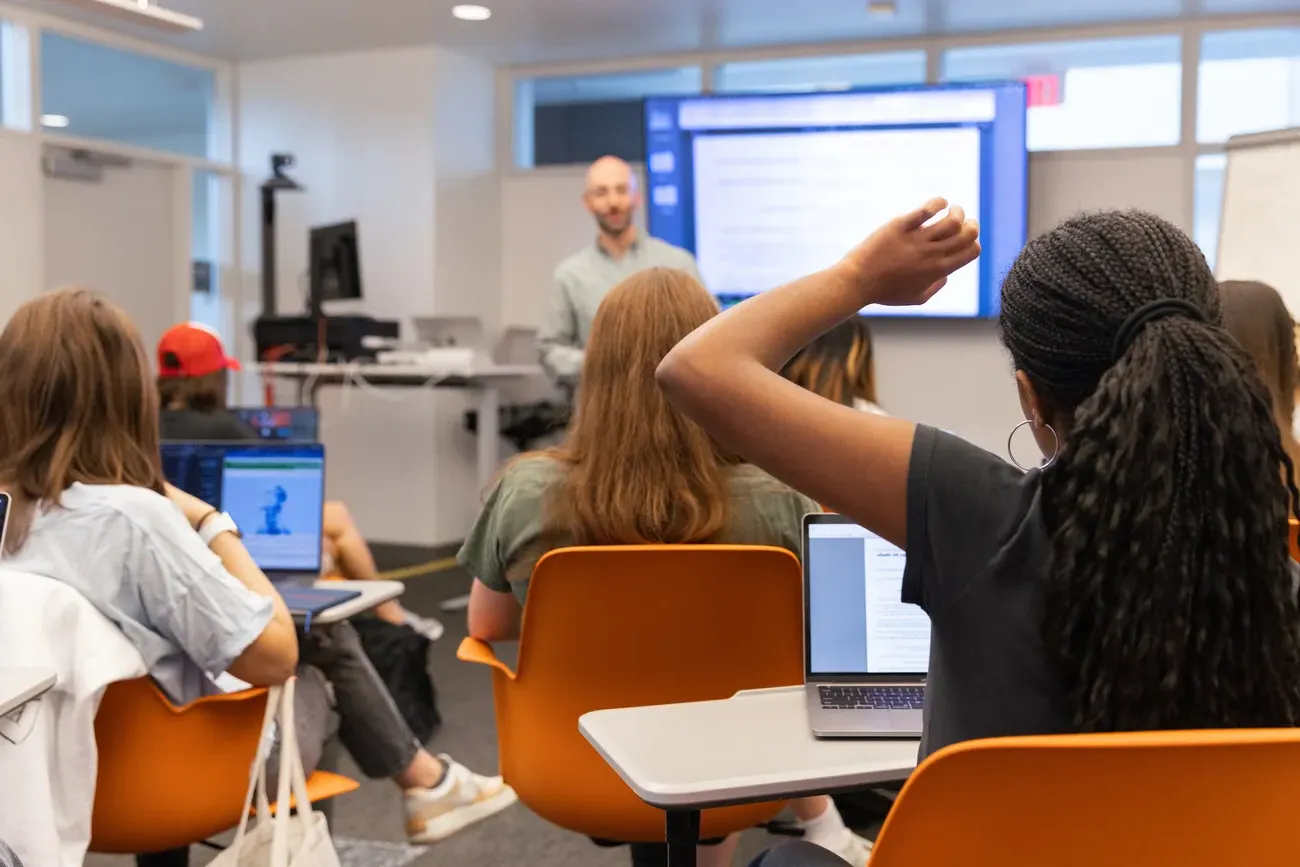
(401, 657)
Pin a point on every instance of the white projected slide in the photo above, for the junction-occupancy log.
(772, 207)
(898, 634)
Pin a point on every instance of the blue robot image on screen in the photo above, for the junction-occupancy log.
(766, 188)
(271, 526)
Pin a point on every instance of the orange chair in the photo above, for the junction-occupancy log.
(1295, 539)
(171, 776)
(629, 625)
(1155, 799)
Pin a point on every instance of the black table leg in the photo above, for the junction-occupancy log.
(683, 836)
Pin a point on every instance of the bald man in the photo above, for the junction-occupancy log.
(584, 278)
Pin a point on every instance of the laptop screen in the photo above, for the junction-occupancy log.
(855, 620)
(296, 423)
(274, 491)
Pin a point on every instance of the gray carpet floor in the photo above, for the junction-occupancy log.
(515, 837)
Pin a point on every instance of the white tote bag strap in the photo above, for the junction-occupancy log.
(257, 772)
(292, 778)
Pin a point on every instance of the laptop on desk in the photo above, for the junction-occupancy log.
(866, 653)
(294, 423)
(275, 491)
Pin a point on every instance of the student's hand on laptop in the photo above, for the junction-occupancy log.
(191, 507)
(908, 260)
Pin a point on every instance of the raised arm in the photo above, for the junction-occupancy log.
(558, 347)
(724, 375)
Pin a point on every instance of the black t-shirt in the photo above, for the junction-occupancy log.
(198, 426)
(977, 559)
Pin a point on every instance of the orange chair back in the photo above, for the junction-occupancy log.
(170, 776)
(1294, 536)
(1156, 799)
(638, 625)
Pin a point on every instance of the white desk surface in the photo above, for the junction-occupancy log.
(20, 685)
(755, 746)
(373, 593)
(411, 371)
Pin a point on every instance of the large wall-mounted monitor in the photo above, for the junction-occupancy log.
(766, 188)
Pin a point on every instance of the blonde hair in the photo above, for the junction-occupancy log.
(1257, 318)
(840, 365)
(638, 470)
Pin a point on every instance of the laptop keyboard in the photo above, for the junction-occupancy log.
(872, 697)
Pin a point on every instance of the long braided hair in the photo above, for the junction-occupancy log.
(1170, 600)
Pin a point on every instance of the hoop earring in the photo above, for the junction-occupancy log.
(1056, 447)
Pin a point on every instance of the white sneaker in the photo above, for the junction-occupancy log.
(852, 848)
(460, 800)
(426, 626)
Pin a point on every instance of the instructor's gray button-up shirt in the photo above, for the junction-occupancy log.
(581, 282)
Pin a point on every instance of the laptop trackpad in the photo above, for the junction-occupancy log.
(904, 720)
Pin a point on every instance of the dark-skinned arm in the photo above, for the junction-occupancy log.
(725, 374)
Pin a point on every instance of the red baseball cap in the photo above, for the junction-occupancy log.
(192, 349)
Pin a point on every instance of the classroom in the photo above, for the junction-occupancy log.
(896, 397)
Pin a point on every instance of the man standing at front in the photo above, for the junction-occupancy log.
(583, 279)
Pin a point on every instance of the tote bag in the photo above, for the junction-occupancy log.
(299, 840)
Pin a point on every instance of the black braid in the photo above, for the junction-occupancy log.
(1170, 600)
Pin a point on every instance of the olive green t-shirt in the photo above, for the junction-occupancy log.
(506, 541)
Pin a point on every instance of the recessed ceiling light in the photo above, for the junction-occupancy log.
(470, 12)
(882, 8)
(54, 121)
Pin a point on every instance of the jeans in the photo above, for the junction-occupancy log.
(797, 853)
(339, 692)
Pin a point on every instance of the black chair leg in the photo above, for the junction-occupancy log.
(173, 858)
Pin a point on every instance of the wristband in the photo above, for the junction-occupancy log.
(214, 525)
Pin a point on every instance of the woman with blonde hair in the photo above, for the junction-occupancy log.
(630, 471)
(840, 366)
(79, 455)
(1257, 317)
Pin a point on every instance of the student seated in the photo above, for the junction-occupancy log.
(79, 455)
(1255, 314)
(1140, 578)
(840, 365)
(192, 388)
(633, 471)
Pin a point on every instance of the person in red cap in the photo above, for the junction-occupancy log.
(192, 386)
(192, 365)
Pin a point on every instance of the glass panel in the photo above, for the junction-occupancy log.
(821, 73)
(577, 118)
(99, 92)
(1208, 205)
(1104, 93)
(1249, 81)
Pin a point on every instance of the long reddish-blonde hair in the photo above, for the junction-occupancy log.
(639, 472)
(77, 402)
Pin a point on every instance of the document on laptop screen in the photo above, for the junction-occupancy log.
(898, 634)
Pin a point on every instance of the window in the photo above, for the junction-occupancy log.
(1249, 81)
(821, 73)
(1208, 203)
(94, 91)
(578, 118)
(1105, 93)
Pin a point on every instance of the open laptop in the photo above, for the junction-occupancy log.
(275, 491)
(866, 653)
(294, 423)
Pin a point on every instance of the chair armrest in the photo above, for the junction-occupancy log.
(474, 650)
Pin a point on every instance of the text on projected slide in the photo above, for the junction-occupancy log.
(772, 207)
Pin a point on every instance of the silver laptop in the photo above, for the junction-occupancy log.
(866, 653)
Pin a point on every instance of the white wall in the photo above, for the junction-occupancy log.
(401, 141)
(951, 374)
(22, 221)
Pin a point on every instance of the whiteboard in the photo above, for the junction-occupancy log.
(1258, 237)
